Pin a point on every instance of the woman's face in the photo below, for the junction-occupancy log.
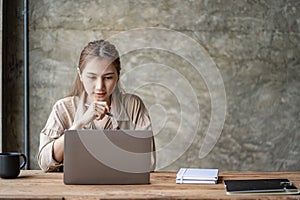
(99, 78)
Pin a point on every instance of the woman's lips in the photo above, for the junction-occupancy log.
(100, 94)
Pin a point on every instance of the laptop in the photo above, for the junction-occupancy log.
(107, 157)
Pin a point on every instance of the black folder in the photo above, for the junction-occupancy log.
(260, 186)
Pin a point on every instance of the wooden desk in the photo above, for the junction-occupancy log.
(36, 184)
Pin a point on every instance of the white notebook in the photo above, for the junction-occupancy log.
(197, 175)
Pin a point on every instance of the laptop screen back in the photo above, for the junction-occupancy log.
(107, 157)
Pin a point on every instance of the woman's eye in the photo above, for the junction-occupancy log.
(108, 77)
(91, 77)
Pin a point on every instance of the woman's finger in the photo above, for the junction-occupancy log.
(103, 104)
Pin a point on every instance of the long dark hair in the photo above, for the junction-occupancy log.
(99, 48)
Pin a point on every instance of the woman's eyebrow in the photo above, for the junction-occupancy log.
(91, 73)
(108, 73)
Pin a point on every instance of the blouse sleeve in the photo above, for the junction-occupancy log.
(138, 113)
(141, 121)
(53, 129)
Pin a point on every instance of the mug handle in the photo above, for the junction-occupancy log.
(24, 161)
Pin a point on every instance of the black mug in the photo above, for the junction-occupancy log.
(10, 164)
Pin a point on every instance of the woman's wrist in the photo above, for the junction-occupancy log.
(58, 149)
(79, 124)
(76, 126)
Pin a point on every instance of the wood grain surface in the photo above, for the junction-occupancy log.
(35, 184)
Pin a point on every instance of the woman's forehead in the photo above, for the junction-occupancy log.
(99, 66)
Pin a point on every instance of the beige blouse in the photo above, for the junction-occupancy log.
(128, 111)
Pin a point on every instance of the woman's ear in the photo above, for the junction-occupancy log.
(79, 73)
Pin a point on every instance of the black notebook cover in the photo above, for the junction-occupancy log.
(268, 186)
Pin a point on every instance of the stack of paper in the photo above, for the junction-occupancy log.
(196, 175)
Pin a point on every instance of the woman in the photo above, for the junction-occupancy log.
(95, 102)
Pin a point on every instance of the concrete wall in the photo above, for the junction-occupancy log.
(201, 64)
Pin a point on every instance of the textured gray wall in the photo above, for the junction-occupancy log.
(248, 50)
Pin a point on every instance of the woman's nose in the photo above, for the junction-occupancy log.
(99, 84)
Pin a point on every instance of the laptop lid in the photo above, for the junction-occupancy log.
(107, 157)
